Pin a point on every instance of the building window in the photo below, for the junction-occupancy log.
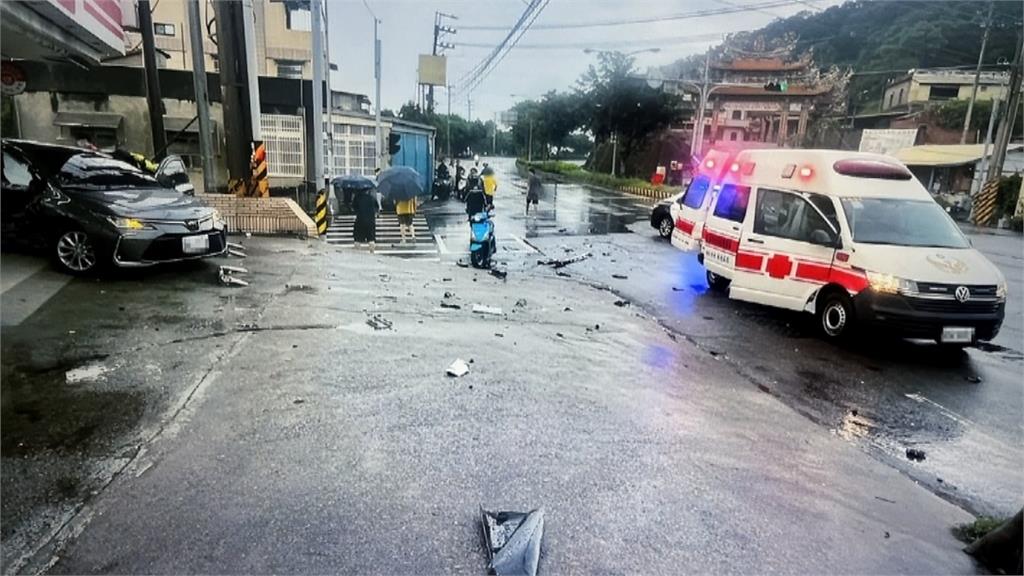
(983, 88)
(100, 137)
(899, 99)
(732, 136)
(289, 68)
(284, 138)
(355, 150)
(163, 29)
(298, 18)
(891, 97)
(943, 92)
(737, 114)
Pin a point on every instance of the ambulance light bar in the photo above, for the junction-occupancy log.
(866, 168)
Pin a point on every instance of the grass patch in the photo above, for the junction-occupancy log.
(968, 533)
(576, 173)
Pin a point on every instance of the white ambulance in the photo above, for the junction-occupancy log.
(690, 210)
(852, 238)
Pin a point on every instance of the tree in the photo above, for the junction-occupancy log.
(615, 102)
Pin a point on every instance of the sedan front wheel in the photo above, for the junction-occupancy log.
(665, 227)
(76, 253)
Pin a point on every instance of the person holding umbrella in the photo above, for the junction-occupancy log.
(366, 205)
(401, 185)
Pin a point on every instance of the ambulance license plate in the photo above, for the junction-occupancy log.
(195, 244)
(954, 335)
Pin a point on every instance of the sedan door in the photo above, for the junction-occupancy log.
(19, 195)
(786, 250)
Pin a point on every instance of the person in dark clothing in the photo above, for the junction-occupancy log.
(533, 191)
(473, 181)
(442, 171)
(476, 200)
(366, 205)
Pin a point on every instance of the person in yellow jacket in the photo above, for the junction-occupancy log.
(490, 184)
(406, 210)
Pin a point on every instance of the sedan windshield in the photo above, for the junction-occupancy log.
(902, 222)
(98, 172)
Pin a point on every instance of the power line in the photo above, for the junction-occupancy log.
(482, 65)
(480, 77)
(579, 45)
(652, 19)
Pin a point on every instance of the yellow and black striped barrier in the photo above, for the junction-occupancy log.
(985, 203)
(260, 184)
(321, 212)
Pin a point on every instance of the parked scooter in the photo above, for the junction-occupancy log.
(482, 245)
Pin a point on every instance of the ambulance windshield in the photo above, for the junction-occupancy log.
(901, 222)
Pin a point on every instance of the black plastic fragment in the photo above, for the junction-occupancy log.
(513, 541)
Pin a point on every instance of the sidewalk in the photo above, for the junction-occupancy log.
(327, 439)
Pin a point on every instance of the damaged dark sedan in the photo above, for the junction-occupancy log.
(89, 210)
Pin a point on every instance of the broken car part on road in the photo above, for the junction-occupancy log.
(513, 541)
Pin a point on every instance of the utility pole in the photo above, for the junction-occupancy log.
(529, 149)
(153, 98)
(469, 109)
(316, 11)
(440, 30)
(235, 89)
(995, 167)
(448, 128)
(195, 33)
(376, 80)
(979, 176)
(494, 136)
(330, 94)
(977, 73)
(696, 141)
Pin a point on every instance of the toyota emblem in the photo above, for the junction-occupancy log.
(194, 225)
(963, 294)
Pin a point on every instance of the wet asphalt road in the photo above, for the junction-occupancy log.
(883, 394)
(269, 429)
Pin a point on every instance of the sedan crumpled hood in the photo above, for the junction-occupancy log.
(144, 203)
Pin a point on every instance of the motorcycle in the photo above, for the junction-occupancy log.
(442, 189)
(482, 245)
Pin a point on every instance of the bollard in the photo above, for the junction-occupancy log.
(321, 212)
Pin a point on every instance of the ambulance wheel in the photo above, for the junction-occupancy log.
(835, 315)
(665, 227)
(716, 282)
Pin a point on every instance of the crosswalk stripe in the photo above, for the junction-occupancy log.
(388, 235)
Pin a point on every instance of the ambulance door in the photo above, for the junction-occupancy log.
(721, 235)
(785, 252)
(689, 213)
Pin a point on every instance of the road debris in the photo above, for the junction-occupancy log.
(384, 277)
(457, 368)
(560, 335)
(227, 275)
(764, 389)
(451, 306)
(973, 379)
(915, 454)
(563, 274)
(499, 334)
(885, 500)
(499, 273)
(461, 263)
(622, 303)
(678, 289)
(521, 303)
(378, 322)
(620, 276)
(491, 310)
(556, 263)
(567, 309)
(513, 541)
(298, 401)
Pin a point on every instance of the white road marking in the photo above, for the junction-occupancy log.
(942, 409)
(520, 241)
(441, 246)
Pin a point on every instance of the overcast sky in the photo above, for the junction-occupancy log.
(545, 59)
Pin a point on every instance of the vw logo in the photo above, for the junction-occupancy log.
(963, 294)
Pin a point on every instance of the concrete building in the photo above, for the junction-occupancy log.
(918, 88)
(952, 172)
(283, 36)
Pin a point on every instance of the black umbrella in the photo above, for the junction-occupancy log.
(399, 183)
(354, 182)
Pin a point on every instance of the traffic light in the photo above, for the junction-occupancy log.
(394, 143)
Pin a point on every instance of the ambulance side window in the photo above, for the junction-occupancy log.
(694, 197)
(790, 216)
(732, 202)
(827, 207)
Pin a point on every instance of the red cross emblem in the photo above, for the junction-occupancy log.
(779, 266)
